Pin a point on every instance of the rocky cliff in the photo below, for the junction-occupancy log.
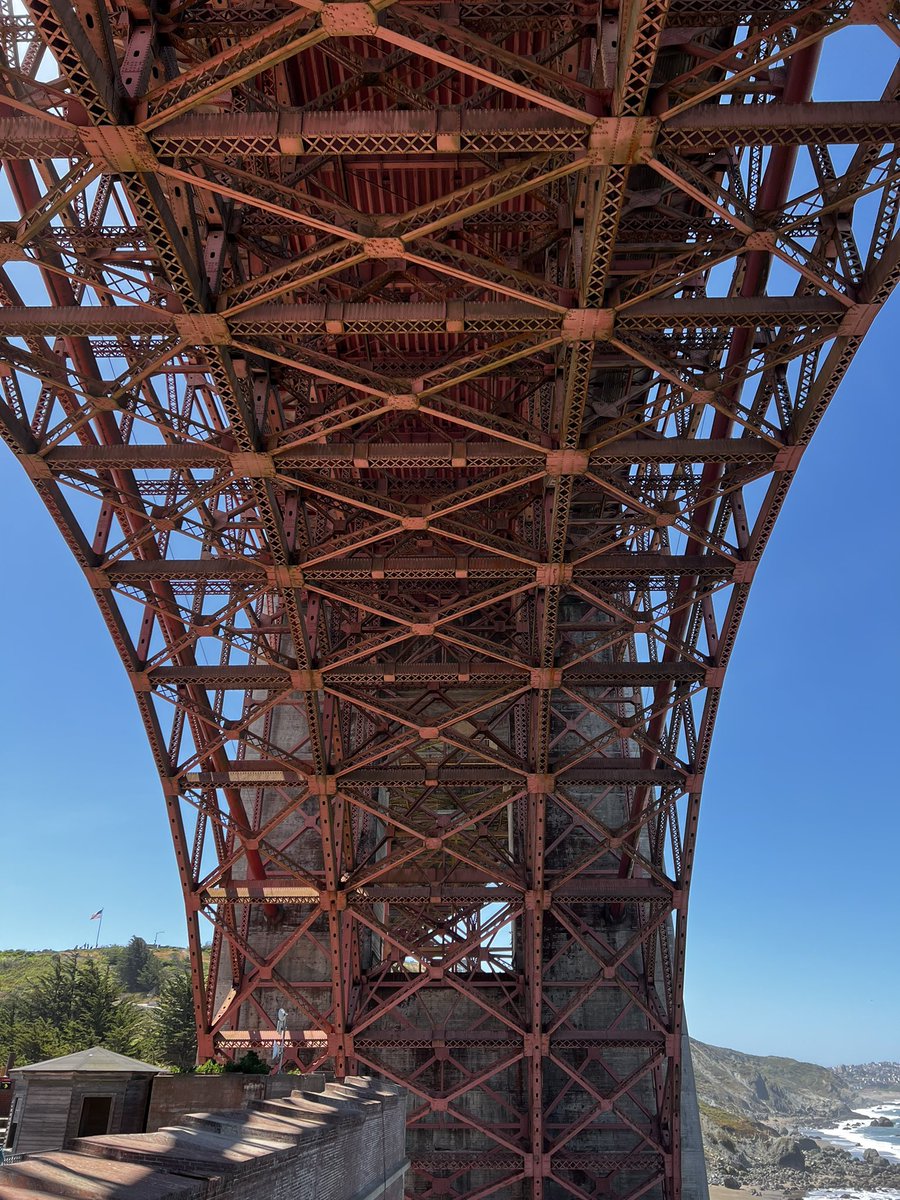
(751, 1109)
(771, 1090)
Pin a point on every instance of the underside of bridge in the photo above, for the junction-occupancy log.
(418, 384)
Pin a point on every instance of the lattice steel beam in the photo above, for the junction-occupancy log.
(413, 395)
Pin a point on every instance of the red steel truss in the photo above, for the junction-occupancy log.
(417, 385)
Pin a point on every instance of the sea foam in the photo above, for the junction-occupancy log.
(853, 1194)
(857, 1138)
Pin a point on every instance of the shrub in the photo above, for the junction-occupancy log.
(210, 1067)
(250, 1064)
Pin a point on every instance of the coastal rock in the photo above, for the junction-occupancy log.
(730, 1182)
(873, 1157)
(807, 1143)
(882, 1123)
(786, 1152)
(768, 1089)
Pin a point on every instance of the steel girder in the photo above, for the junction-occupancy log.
(417, 386)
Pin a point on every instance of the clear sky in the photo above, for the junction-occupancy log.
(795, 908)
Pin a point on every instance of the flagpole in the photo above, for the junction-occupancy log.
(99, 927)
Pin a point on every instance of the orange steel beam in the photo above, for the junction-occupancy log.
(408, 383)
(445, 130)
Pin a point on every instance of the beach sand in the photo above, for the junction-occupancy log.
(723, 1193)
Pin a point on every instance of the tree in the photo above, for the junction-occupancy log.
(138, 969)
(26, 1037)
(174, 1033)
(72, 1006)
(102, 1016)
(51, 997)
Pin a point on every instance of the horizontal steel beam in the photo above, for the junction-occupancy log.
(686, 312)
(385, 456)
(314, 320)
(483, 674)
(634, 565)
(450, 131)
(312, 456)
(417, 675)
(608, 771)
(631, 566)
(832, 122)
(295, 133)
(585, 889)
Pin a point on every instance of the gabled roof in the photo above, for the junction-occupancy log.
(98, 1058)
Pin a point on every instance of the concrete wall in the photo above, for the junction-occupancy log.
(694, 1182)
(345, 1142)
(175, 1095)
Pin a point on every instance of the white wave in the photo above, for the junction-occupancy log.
(857, 1143)
(880, 1110)
(857, 1138)
(853, 1193)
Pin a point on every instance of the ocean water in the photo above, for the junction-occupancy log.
(852, 1194)
(857, 1136)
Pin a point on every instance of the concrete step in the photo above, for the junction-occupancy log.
(9, 1191)
(296, 1107)
(195, 1151)
(80, 1177)
(307, 1114)
(252, 1126)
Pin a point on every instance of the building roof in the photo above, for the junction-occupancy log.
(98, 1058)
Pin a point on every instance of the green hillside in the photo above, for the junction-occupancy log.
(761, 1088)
(21, 967)
(135, 1000)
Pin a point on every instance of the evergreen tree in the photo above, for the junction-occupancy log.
(8, 1025)
(71, 1007)
(39, 1039)
(150, 977)
(101, 1016)
(174, 1033)
(139, 970)
(51, 997)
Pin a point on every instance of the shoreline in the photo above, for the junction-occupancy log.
(718, 1192)
(815, 1159)
(856, 1135)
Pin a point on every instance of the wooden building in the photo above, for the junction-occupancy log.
(94, 1091)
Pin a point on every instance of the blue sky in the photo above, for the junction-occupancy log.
(795, 907)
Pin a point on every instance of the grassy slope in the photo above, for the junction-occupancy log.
(20, 967)
(733, 1123)
(740, 1094)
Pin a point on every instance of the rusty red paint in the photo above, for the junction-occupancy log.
(376, 389)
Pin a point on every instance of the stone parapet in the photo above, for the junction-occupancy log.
(344, 1142)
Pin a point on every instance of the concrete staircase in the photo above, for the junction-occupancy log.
(343, 1143)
